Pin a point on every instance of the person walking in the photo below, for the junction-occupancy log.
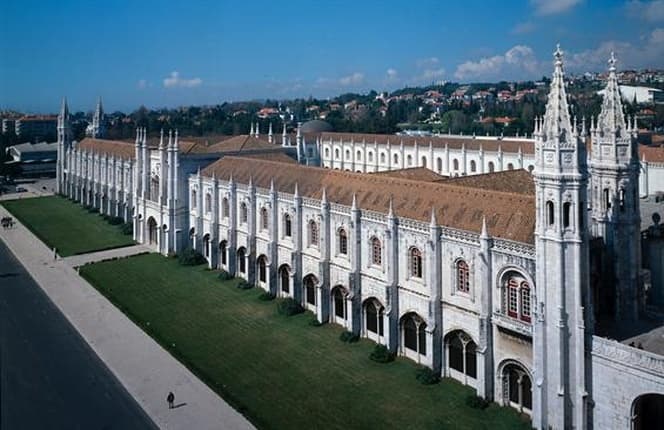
(170, 399)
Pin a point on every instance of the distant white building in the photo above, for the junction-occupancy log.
(642, 94)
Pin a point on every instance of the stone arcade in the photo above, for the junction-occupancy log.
(489, 279)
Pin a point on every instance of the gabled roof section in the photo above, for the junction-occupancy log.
(508, 215)
(511, 181)
(115, 148)
(413, 173)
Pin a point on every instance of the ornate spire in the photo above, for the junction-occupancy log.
(269, 133)
(557, 125)
(484, 234)
(434, 221)
(271, 185)
(323, 198)
(390, 213)
(258, 129)
(64, 109)
(161, 139)
(611, 119)
(251, 131)
(353, 205)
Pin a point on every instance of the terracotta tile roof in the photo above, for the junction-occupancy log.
(454, 142)
(511, 181)
(652, 154)
(414, 173)
(109, 147)
(272, 156)
(509, 215)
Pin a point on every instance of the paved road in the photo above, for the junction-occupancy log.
(49, 377)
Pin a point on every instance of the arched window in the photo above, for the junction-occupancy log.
(223, 245)
(241, 260)
(396, 158)
(206, 245)
(439, 164)
(262, 269)
(224, 207)
(567, 208)
(510, 166)
(463, 276)
(264, 219)
(517, 300)
(287, 225)
(473, 166)
(424, 161)
(327, 152)
(409, 160)
(462, 354)
(382, 158)
(607, 199)
(343, 242)
(414, 333)
(194, 201)
(491, 167)
(313, 233)
(358, 155)
(243, 213)
(455, 164)
(347, 154)
(376, 252)
(549, 213)
(310, 289)
(374, 317)
(370, 155)
(518, 387)
(336, 154)
(208, 203)
(284, 278)
(415, 263)
(339, 299)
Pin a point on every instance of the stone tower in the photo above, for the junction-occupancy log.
(64, 145)
(561, 239)
(614, 187)
(98, 127)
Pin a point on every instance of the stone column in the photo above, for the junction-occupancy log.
(323, 288)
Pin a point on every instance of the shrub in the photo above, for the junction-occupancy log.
(92, 209)
(191, 257)
(476, 402)
(127, 228)
(427, 376)
(224, 276)
(289, 307)
(313, 321)
(349, 337)
(381, 354)
(115, 220)
(266, 296)
(244, 285)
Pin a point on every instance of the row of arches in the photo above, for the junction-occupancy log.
(409, 161)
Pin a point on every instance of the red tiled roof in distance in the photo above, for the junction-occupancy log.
(509, 215)
(413, 173)
(117, 148)
(512, 181)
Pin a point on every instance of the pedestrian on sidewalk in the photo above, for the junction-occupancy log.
(170, 399)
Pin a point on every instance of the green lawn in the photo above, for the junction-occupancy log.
(67, 226)
(280, 372)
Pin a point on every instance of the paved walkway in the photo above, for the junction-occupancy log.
(146, 370)
(109, 254)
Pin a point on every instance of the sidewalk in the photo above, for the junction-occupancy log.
(146, 370)
(109, 254)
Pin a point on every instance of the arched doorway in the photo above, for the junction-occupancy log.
(192, 236)
(223, 253)
(152, 231)
(339, 305)
(374, 314)
(648, 412)
(413, 336)
(261, 266)
(517, 387)
(309, 284)
(284, 279)
(206, 246)
(242, 260)
(461, 357)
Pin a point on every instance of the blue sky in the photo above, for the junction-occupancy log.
(173, 53)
